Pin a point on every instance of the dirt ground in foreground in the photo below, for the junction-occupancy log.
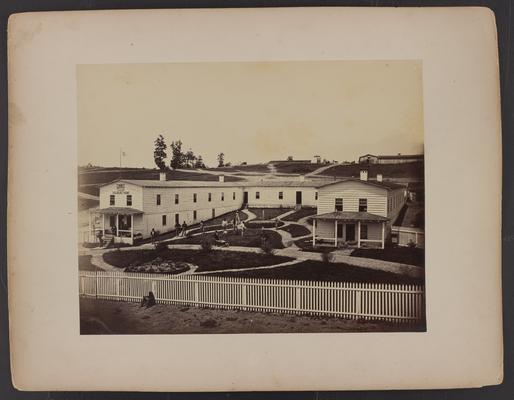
(114, 317)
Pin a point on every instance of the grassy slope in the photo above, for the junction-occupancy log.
(413, 170)
(251, 238)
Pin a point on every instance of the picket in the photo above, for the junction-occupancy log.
(388, 302)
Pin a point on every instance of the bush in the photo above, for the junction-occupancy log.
(206, 244)
(267, 247)
(327, 256)
(411, 244)
(159, 246)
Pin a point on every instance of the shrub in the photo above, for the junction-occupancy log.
(411, 244)
(159, 246)
(206, 244)
(267, 247)
(327, 256)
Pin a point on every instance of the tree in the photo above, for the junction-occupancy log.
(190, 159)
(199, 162)
(177, 157)
(159, 153)
(221, 159)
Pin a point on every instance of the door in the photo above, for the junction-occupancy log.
(350, 232)
(299, 198)
(245, 198)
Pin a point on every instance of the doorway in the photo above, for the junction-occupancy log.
(350, 232)
(299, 198)
(245, 198)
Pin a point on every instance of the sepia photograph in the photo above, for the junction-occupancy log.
(265, 197)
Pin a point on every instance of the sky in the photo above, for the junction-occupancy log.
(252, 111)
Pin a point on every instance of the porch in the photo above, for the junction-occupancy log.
(352, 229)
(119, 224)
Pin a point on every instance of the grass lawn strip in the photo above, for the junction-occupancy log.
(311, 270)
(206, 261)
(296, 230)
(268, 213)
(251, 238)
(403, 255)
(303, 212)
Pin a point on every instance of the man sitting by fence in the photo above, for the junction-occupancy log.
(148, 301)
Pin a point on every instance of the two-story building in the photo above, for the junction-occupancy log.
(357, 211)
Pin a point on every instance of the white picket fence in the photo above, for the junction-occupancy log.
(371, 301)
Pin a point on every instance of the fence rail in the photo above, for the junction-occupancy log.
(371, 301)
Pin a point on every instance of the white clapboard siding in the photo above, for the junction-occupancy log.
(394, 303)
(120, 196)
(269, 196)
(351, 192)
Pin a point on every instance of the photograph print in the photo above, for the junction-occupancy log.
(251, 197)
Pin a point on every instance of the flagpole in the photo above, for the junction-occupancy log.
(120, 157)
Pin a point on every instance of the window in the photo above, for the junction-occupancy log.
(210, 196)
(280, 195)
(129, 199)
(158, 200)
(194, 197)
(111, 200)
(176, 198)
(234, 196)
(222, 196)
(363, 205)
(257, 195)
(177, 219)
(339, 204)
(164, 220)
(316, 196)
(364, 231)
(194, 214)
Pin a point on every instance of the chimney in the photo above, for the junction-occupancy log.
(162, 176)
(221, 178)
(364, 174)
(379, 177)
(302, 178)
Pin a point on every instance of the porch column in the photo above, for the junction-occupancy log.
(117, 225)
(132, 227)
(314, 232)
(335, 233)
(92, 235)
(383, 234)
(103, 225)
(358, 234)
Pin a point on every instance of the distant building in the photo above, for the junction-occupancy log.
(384, 159)
(316, 160)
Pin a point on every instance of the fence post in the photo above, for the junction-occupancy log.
(197, 297)
(153, 289)
(117, 288)
(243, 296)
(358, 300)
(298, 298)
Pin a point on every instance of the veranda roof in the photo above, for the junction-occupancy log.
(118, 210)
(351, 216)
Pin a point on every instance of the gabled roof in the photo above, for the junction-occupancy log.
(402, 156)
(384, 184)
(351, 216)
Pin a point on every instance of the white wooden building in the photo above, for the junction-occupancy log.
(129, 208)
(357, 212)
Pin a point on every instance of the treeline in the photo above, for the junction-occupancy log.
(179, 159)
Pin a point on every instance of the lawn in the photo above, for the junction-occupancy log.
(268, 213)
(404, 255)
(297, 168)
(306, 245)
(251, 238)
(210, 225)
(319, 271)
(296, 230)
(118, 317)
(206, 260)
(301, 213)
(86, 265)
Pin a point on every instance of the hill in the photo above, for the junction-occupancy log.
(411, 170)
(89, 179)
